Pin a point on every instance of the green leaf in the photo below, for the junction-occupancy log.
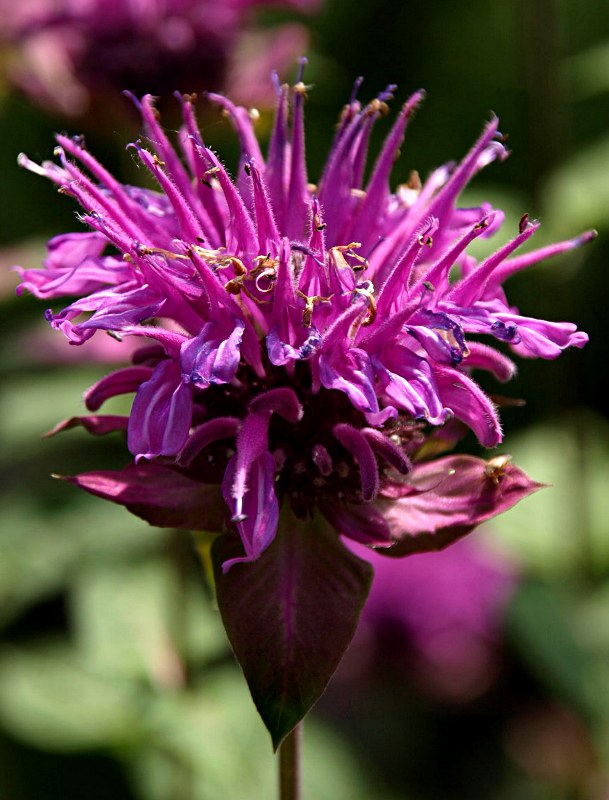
(537, 625)
(54, 700)
(290, 615)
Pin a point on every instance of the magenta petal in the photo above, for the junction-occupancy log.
(443, 500)
(281, 352)
(161, 414)
(350, 372)
(160, 495)
(359, 447)
(209, 432)
(541, 339)
(213, 356)
(282, 400)
(260, 509)
(122, 381)
(408, 381)
(469, 404)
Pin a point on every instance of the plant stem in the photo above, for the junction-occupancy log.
(289, 765)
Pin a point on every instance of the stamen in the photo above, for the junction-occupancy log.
(340, 260)
(309, 305)
(143, 250)
(208, 174)
(495, 467)
(367, 291)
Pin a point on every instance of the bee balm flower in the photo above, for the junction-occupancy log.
(302, 342)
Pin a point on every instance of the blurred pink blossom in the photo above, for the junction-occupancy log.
(439, 617)
(68, 52)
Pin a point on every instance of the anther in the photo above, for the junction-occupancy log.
(523, 224)
(208, 174)
(309, 304)
(342, 469)
(340, 260)
(484, 223)
(301, 88)
(495, 468)
(414, 181)
(367, 291)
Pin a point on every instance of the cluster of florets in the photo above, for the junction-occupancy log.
(303, 342)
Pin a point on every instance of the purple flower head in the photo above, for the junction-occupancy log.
(69, 52)
(305, 345)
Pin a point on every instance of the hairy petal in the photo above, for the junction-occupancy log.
(259, 516)
(213, 355)
(358, 445)
(161, 414)
(122, 381)
(468, 403)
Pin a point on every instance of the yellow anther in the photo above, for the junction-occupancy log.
(301, 88)
(367, 291)
(495, 468)
(208, 175)
(212, 257)
(310, 303)
(318, 225)
(377, 106)
(340, 261)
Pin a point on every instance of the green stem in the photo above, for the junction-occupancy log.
(289, 765)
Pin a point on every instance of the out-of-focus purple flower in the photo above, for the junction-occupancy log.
(304, 344)
(69, 52)
(438, 617)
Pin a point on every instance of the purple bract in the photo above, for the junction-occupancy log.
(306, 345)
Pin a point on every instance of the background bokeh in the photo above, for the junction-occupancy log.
(115, 677)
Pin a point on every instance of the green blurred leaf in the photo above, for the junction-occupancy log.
(577, 193)
(52, 698)
(141, 619)
(208, 743)
(537, 623)
(41, 550)
(563, 530)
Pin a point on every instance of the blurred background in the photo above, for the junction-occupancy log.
(477, 673)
